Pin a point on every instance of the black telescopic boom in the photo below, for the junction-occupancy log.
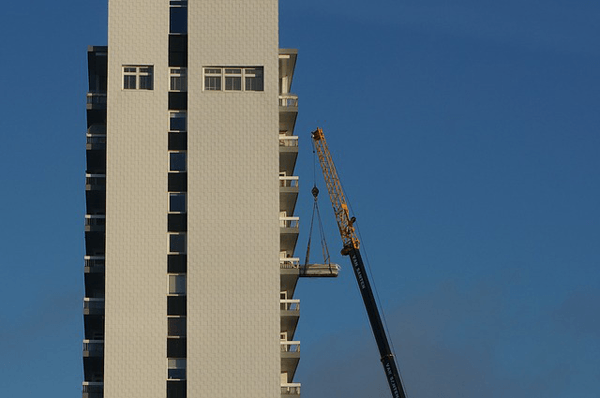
(351, 246)
(387, 358)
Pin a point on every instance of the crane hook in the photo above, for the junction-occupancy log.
(315, 192)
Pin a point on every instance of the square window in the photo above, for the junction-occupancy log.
(138, 77)
(176, 368)
(176, 327)
(177, 161)
(177, 284)
(177, 243)
(178, 79)
(177, 121)
(178, 17)
(177, 203)
(254, 79)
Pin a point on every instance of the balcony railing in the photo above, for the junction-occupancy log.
(289, 263)
(97, 129)
(290, 389)
(95, 220)
(289, 304)
(289, 222)
(93, 348)
(290, 346)
(92, 139)
(288, 100)
(92, 389)
(94, 263)
(96, 98)
(93, 306)
(288, 140)
(95, 223)
(95, 180)
(288, 181)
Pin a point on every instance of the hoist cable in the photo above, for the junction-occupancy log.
(316, 210)
(306, 260)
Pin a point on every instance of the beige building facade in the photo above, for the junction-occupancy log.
(190, 193)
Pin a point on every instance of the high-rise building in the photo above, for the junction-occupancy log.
(190, 193)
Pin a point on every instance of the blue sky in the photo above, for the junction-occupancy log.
(466, 136)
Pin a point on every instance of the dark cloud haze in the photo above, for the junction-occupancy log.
(453, 343)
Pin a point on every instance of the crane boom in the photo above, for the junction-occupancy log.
(352, 248)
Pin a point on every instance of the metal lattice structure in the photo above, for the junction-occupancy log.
(336, 194)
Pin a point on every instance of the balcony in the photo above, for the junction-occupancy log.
(289, 222)
(96, 101)
(291, 348)
(95, 142)
(94, 264)
(288, 193)
(93, 329)
(95, 193)
(290, 314)
(288, 111)
(289, 271)
(92, 389)
(95, 243)
(288, 141)
(288, 101)
(289, 263)
(290, 356)
(290, 390)
(289, 229)
(289, 182)
(93, 274)
(95, 223)
(290, 306)
(287, 64)
(93, 348)
(95, 156)
(96, 137)
(288, 152)
(95, 182)
(93, 306)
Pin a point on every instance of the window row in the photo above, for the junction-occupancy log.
(141, 77)
(233, 79)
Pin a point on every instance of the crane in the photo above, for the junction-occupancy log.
(351, 247)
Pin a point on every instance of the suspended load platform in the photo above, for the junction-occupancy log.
(320, 270)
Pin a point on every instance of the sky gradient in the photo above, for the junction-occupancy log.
(466, 135)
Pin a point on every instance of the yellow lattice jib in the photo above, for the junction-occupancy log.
(336, 194)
